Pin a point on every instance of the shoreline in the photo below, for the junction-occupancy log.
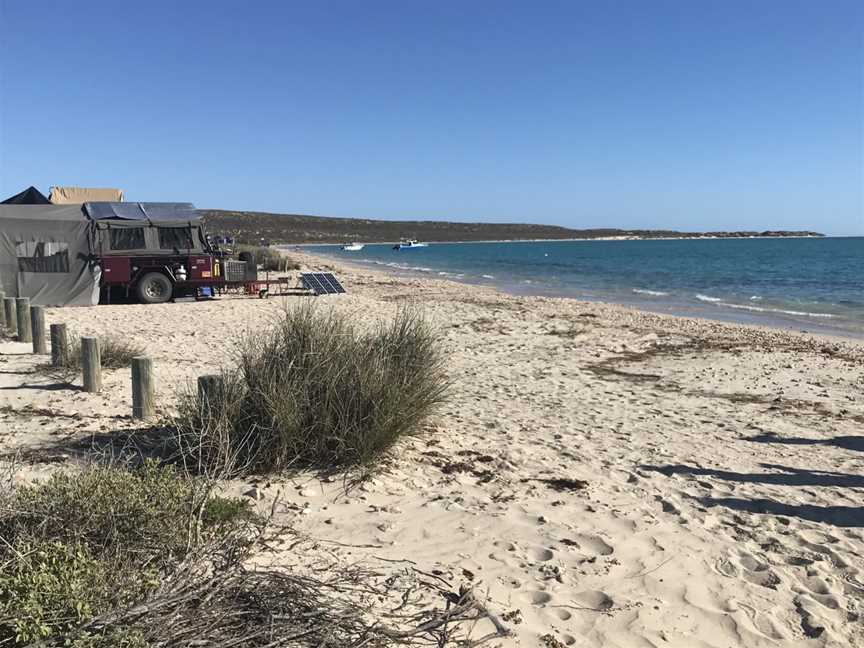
(736, 318)
(596, 238)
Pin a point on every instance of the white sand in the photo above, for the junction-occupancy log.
(724, 504)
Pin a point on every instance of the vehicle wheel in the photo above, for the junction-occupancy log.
(154, 288)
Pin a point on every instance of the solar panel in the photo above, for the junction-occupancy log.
(311, 283)
(333, 282)
(321, 283)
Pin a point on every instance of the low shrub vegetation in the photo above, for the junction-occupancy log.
(317, 390)
(148, 557)
(270, 259)
(83, 545)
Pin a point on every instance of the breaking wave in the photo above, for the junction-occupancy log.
(779, 311)
(653, 293)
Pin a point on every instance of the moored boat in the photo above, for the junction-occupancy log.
(408, 244)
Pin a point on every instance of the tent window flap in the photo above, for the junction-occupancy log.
(175, 238)
(127, 238)
(42, 256)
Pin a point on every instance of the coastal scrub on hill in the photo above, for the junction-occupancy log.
(252, 227)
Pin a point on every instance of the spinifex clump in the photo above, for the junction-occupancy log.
(316, 390)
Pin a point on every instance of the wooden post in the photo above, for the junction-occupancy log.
(91, 363)
(9, 313)
(22, 312)
(142, 388)
(210, 390)
(2, 310)
(37, 325)
(59, 345)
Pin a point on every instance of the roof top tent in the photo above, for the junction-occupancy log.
(128, 229)
(30, 196)
(45, 254)
(79, 195)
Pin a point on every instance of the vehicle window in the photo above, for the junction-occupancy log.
(127, 239)
(178, 238)
(42, 256)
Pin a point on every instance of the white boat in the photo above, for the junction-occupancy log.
(408, 244)
(352, 247)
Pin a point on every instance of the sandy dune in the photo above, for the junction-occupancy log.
(619, 478)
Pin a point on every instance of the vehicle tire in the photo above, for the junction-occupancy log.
(154, 288)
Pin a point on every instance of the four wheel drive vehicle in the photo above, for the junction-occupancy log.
(79, 255)
(157, 252)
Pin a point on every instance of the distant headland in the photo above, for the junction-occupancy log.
(250, 227)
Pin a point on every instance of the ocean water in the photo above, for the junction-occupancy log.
(814, 284)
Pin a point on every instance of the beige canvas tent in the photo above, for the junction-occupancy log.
(78, 195)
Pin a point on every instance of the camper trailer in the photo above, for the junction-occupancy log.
(59, 255)
(154, 251)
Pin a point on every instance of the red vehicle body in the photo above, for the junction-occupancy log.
(135, 275)
(162, 260)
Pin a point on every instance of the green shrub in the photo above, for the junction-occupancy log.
(81, 545)
(270, 259)
(109, 510)
(98, 560)
(316, 390)
(52, 587)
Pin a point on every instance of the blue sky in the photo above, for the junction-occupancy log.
(687, 115)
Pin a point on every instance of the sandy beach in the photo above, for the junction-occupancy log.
(606, 477)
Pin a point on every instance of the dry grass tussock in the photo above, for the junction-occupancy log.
(147, 556)
(270, 259)
(114, 352)
(315, 390)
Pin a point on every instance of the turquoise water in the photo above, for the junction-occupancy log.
(804, 284)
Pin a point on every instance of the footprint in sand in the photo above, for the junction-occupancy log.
(669, 507)
(541, 554)
(809, 623)
(540, 598)
(751, 564)
(797, 561)
(765, 578)
(509, 546)
(816, 585)
(767, 626)
(591, 544)
(826, 600)
(562, 614)
(810, 536)
(756, 571)
(594, 599)
(726, 568)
